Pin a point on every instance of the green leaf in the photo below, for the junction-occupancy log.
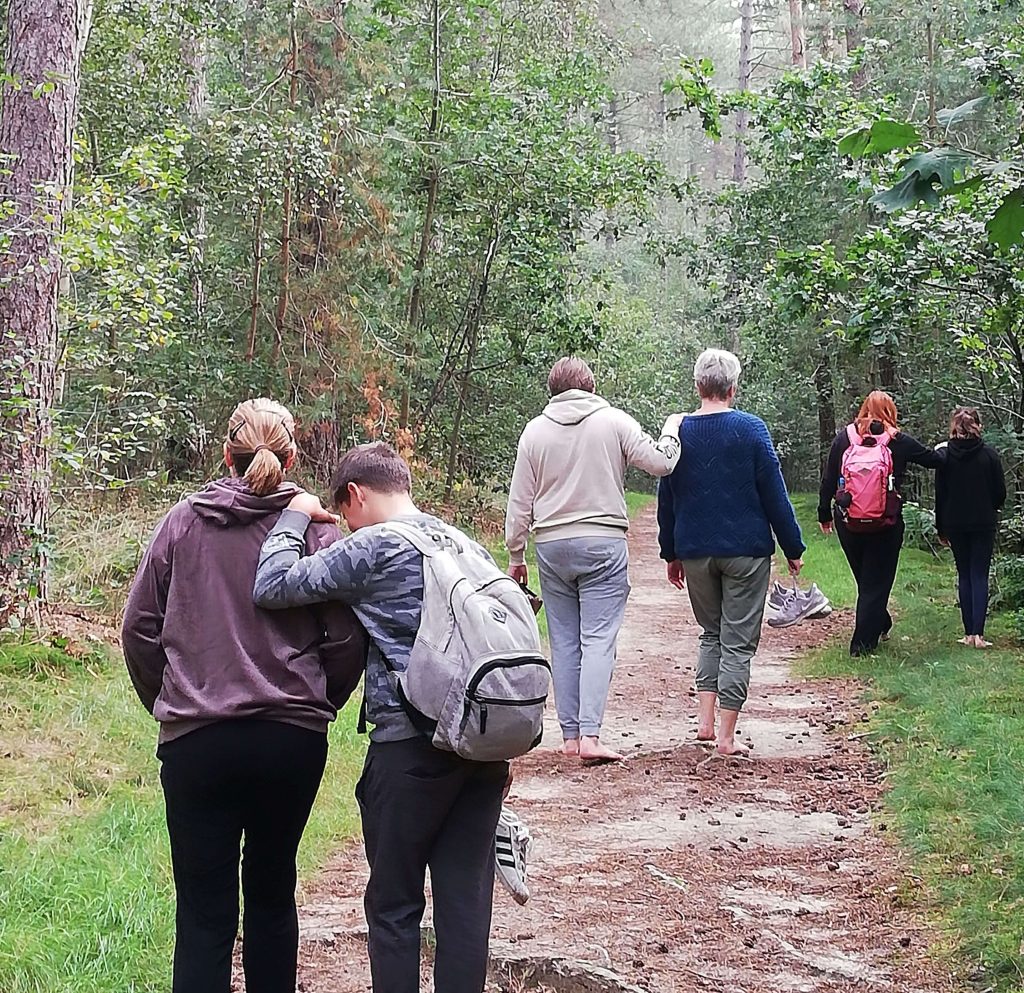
(884, 135)
(855, 144)
(1006, 226)
(957, 115)
(905, 193)
(920, 174)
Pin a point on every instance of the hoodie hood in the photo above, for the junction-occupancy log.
(964, 449)
(574, 406)
(230, 503)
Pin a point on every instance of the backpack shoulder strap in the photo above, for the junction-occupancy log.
(422, 542)
(851, 433)
(429, 543)
(884, 439)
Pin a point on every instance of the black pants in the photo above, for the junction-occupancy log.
(423, 807)
(873, 559)
(972, 552)
(256, 779)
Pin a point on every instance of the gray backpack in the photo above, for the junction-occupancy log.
(476, 681)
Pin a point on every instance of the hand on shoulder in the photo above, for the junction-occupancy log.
(308, 504)
(672, 424)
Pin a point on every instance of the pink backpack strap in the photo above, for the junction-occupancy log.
(855, 439)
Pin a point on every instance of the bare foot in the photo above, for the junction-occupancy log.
(967, 639)
(980, 642)
(591, 750)
(732, 748)
(571, 746)
(706, 734)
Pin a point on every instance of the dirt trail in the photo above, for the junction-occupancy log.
(681, 871)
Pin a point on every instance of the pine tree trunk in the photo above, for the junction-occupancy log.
(474, 322)
(739, 165)
(257, 275)
(855, 36)
(613, 144)
(45, 40)
(798, 43)
(285, 255)
(415, 312)
(194, 48)
(933, 120)
(828, 30)
(826, 401)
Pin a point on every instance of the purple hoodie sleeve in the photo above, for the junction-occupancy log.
(143, 622)
(343, 652)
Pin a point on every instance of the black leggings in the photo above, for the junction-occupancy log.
(972, 552)
(256, 779)
(873, 558)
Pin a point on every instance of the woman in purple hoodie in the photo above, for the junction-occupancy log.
(243, 698)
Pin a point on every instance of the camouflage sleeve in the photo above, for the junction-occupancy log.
(353, 570)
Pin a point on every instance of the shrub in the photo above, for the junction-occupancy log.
(920, 532)
(1017, 623)
(1008, 583)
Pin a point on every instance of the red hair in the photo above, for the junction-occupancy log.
(877, 406)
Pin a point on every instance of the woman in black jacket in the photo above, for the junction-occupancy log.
(873, 555)
(969, 490)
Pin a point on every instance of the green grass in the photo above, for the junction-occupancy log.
(86, 901)
(950, 727)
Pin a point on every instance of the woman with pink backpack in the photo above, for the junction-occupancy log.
(860, 497)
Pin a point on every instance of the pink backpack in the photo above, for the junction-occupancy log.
(867, 497)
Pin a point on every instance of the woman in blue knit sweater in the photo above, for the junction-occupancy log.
(717, 513)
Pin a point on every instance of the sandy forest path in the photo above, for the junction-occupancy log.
(678, 870)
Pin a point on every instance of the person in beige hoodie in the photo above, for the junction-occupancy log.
(568, 489)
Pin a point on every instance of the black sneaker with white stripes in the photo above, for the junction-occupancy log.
(511, 844)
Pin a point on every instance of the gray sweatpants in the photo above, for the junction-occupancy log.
(727, 596)
(585, 585)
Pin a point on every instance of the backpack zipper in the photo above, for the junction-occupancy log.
(504, 664)
(495, 702)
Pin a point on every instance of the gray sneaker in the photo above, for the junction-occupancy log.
(778, 598)
(800, 606)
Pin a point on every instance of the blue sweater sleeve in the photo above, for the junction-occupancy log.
(667, 519)
(771, 488)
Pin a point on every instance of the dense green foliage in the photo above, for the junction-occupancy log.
(379, 213)
(879, 243)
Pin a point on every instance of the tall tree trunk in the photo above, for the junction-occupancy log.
(613, 144)
(933, 120)
(476, 316)
(888, 372)
(194, 49)
(414, 317)
(824, 392)
(828, 30)
(739, 165)
(855, 36)
(44, 44)
(798, 43)
(257, 274)
(285, 258)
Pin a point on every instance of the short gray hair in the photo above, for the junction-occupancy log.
(715, 373)
(571, 373)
